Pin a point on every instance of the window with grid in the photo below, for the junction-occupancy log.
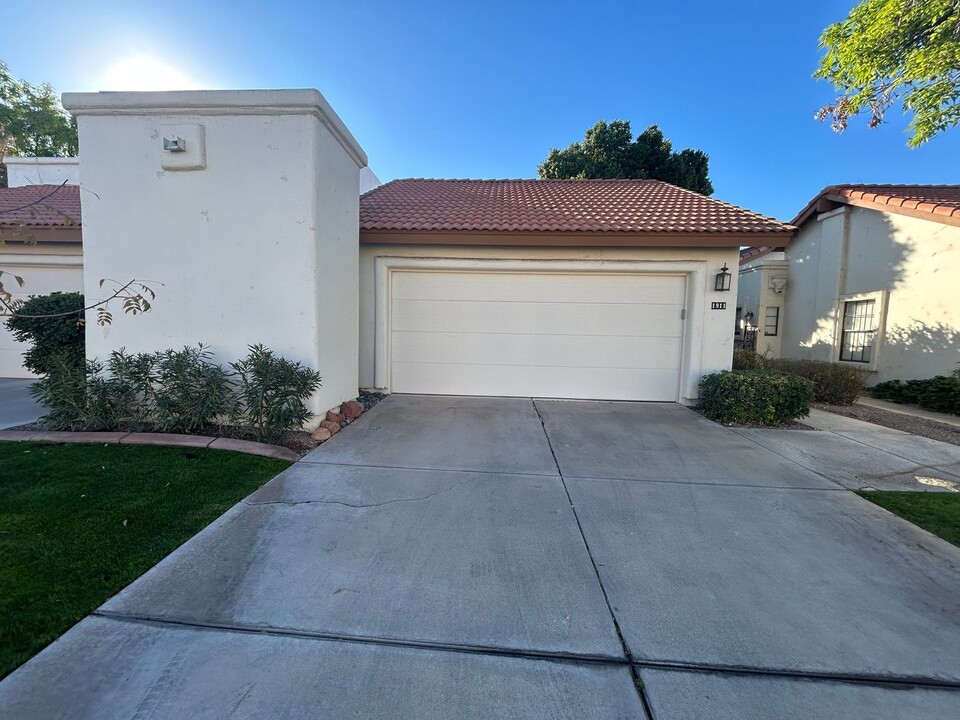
(771, 321)
(859, 330)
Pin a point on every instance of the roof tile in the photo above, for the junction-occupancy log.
(543, 206)
(40, 206)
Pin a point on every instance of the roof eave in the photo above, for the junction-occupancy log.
(571, 239)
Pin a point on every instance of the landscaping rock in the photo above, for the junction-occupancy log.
(351, 410)
(334, 416)
(333, 427)
(321, 434)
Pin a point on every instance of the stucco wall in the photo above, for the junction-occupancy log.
(258, 246)
(917, 263)
(42, 171)
(45, 269)
(709, 343)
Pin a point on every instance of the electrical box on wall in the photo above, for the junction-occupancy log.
(182, 147)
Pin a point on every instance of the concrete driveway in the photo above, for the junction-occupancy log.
(478, 558)
(17, 407)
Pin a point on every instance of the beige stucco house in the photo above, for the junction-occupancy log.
(872, 278)
(243, 209)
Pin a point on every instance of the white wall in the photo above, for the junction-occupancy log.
(44, 269)
(260, 245)
(851, 251)
(368, 181)
(42, 171)
(709, 341)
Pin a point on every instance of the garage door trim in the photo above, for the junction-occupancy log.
(694, 272)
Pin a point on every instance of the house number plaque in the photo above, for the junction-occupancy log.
(718, 306)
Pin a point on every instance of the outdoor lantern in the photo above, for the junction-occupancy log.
(723, 279)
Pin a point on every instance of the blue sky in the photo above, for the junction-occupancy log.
(484, 90)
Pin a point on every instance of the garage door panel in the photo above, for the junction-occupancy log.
(598, 319)
(536, 350)
(542, 287)
(575, 335)
(517, 381)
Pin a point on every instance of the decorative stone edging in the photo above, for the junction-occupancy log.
(164, 439)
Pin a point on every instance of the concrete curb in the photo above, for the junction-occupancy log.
(161, 439)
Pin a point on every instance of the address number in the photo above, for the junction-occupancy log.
(718, 306)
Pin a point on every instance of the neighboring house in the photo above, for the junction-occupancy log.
(42, 171)
(40, 233)
(244, 205)
(871, 279)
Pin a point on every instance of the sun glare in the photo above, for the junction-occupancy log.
(144, 73)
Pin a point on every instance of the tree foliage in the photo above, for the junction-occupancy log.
(889, 51)
(32, 121)
(608, 150)
(53, 326)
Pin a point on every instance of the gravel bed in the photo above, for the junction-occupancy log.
(898, 421)
(794, 425)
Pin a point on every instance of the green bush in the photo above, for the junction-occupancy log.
(178, 391)
(78, 398)
(940, 393)
(57, 334)
(755, 397)
(270, 394)
(833, 383)
(189, 391)
(749, 360)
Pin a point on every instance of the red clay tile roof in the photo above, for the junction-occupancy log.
(940, 203)
(40, 206)
(640, 207)
(747, 254)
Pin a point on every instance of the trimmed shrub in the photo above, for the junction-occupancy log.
(940, 393)
(833, 383)
(270, 393)
(755, 397)
(58, 334)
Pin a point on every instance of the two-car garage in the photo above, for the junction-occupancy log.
(568, 335)
(585, 289)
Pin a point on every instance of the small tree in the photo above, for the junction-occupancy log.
(889, 51)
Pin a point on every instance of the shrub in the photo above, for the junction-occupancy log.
(189, 391)
(833, 383)
(755, 397)
(749, 360)
(78, 398)
(270, 394)
(59, 334)
(940, 393)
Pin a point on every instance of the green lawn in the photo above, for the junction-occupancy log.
(80, 522)
(937, 512)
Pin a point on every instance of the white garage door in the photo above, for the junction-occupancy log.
(564, 335)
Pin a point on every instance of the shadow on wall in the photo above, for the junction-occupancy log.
(940, 344)
(877, 258)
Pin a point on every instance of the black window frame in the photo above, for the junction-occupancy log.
(858, 330)
(766, 322)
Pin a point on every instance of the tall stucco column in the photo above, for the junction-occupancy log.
(240, 209)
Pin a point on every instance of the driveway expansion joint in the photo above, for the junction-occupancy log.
(305, 461)
(554, 656)
(637, 680)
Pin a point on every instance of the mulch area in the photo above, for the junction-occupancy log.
(898, 421)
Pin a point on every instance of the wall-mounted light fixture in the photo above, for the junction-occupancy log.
(723, 279)
(175, 144)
